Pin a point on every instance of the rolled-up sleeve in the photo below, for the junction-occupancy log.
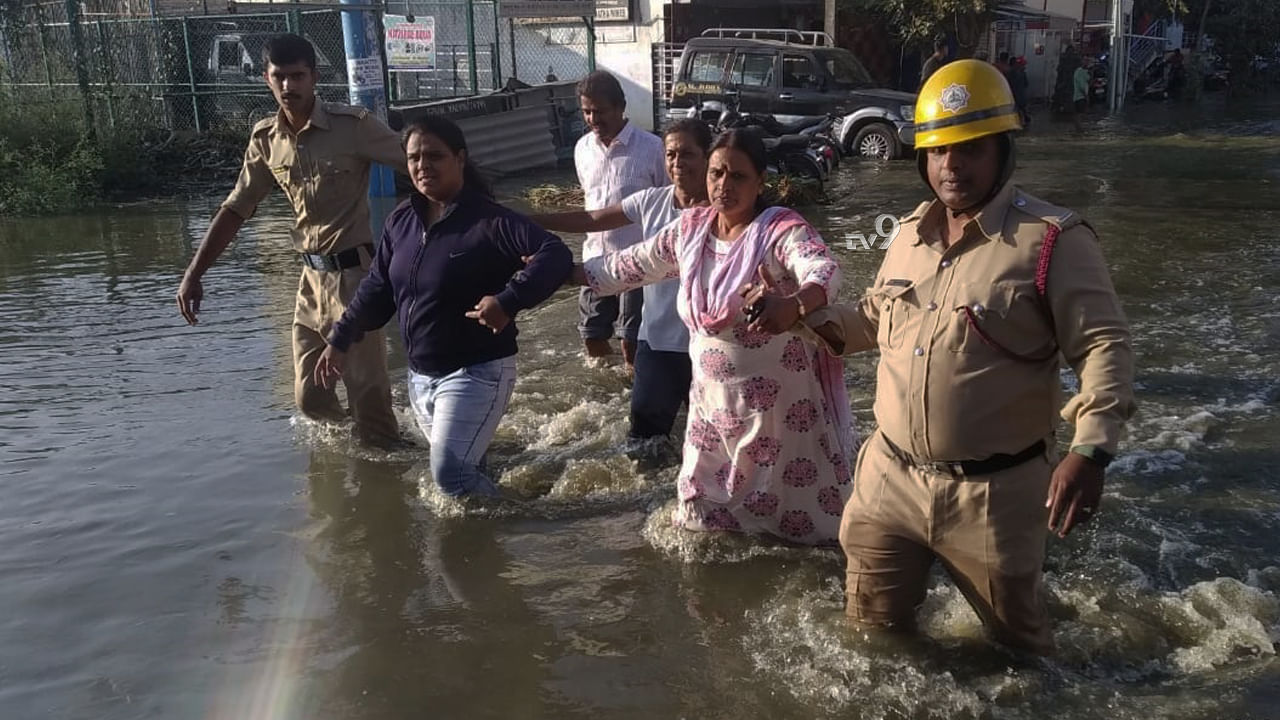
(854, 325)
(380, 144)
(255, 181)
(1095, 340)
(803, 253)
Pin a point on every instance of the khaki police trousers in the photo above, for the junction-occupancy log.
(322, 298)
(988, 531)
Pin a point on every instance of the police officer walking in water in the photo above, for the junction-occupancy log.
(319, 153)
(978, 297)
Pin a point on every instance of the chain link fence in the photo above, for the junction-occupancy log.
(179, 74)
(203, 73)
(478, 51)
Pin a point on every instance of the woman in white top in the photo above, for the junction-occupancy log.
(662, 364)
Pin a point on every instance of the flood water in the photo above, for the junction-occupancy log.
(176, 543)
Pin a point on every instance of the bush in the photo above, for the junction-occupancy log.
(48, 164)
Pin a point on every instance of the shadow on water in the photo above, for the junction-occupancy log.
(407, 592)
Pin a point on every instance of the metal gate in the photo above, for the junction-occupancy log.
(665, 58)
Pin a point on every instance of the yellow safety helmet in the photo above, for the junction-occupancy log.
(961, 101)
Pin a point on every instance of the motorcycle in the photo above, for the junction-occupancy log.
(789, 153)
(819, 132)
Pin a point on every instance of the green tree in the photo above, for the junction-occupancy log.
(917, 22)
(1241, 30)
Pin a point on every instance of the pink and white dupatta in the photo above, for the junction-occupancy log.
(715, 305)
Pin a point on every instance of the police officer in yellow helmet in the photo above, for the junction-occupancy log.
(976, 301)
(964, 101)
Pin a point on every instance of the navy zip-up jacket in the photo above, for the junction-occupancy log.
(432, 278)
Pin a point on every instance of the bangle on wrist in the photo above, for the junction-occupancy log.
(800, 305)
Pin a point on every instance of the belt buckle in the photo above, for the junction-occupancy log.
(320, 263)
(939, 467)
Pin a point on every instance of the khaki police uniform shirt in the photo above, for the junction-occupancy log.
(324, 171)
(942, 392)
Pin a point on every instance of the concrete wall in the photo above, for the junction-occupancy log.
(1073, 9)
(626, 50)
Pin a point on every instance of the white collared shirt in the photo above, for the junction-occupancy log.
(632, 162)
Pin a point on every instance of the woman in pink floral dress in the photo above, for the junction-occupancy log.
(769, 439)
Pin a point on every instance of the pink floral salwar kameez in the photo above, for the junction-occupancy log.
(769, 442)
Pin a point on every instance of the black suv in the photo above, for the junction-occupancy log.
(791, 75)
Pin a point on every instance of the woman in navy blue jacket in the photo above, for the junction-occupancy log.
(451, 265)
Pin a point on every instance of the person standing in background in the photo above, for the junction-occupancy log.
(934, 61)
(662, 369)
(615, 159)
(1080, 81)
(1002, 63)
(1018, 84)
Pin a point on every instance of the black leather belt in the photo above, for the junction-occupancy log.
(336, 262)
(968, 468)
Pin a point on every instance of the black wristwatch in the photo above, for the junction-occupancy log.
(1094, 453)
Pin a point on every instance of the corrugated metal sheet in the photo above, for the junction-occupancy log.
(511, 141)
(509, 131)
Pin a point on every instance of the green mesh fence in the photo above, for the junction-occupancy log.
(203, 72)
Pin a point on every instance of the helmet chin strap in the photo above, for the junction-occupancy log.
(1008, 161)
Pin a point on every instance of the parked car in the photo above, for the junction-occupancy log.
(235, 58)
(234, 71)
(792, 76)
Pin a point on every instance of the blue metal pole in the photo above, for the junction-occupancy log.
(363, 45)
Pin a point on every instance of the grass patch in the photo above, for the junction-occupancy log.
(48, 164)
(794, 191)
(551, 196)
(787, 190)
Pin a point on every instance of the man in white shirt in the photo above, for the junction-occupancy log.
(615, 159)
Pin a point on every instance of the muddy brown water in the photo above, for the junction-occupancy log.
(176, 543)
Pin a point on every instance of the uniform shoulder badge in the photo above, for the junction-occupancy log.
(265, 123)
(955, 97)
(342, 109)
(916, 214)
(1047, 212)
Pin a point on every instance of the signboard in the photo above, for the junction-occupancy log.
(364, 73)
(410, 45)
(545, 8)
(615, 33)
(459, 109)
(613, 10)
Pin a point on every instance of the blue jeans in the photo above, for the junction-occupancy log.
(459, 413)
(661, 385)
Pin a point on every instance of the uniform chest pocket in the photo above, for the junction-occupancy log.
(336, 177)
(898, 306)
(1002, 319)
